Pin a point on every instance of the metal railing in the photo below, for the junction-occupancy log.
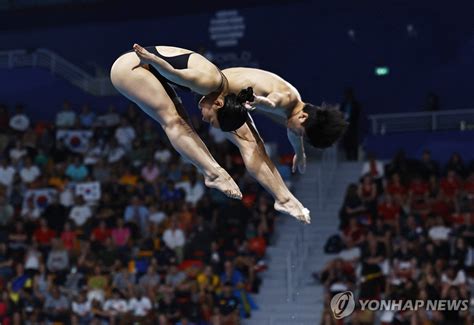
(43, 58)
(460, 119)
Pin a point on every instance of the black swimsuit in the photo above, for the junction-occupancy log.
(178, 62)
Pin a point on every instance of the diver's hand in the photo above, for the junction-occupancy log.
(299, 161)
(262, 101)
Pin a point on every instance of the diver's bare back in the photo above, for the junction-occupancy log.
(263, 83)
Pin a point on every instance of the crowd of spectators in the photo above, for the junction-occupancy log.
(144, 241)
(406, 232)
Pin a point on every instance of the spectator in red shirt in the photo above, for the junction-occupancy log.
(100, 234)
(450, 185)
(68, 237)
(418, 195)
(396, 189)
(389, 211)
(44, 235)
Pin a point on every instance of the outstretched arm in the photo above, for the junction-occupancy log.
(199, 80)
(272, 100)
(260, 167)
(299, 159)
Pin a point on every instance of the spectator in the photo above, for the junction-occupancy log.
(352, 206)
(136, 215)
(29, 173)
(6, 212)
(80, 212)
(373, 167)
(228, 306)
(94, 153)
(109, 119)
(162, 154)
(19, 122)
(81, 310)
(150, 172)
(457, 165)
(116, 307)
(18, 152)
(66, 118)
(120, 234)
(174, 239)
(77, 171)
(58, 260)
(140, 307)
(174, 277)
(100, 234)
(428, 166)
(125, 134)
(115, 152)
(193, 189)
(149, 280)
(87, 117)
(170, 192)
(57, 306)
(7, 173)
(68, 237)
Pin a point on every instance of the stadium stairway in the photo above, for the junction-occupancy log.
(307, 304)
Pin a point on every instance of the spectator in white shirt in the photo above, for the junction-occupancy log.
(193, 188)
(115, 307)
(162, 154)
(66, 118)
(29, 173)
(94, 153)
(140, 306)
(30, 212)
(66, 197)
(373, 167)
(80, 212)
(109, 119)
(20, 121)
(156, 215)
(81, 310)
(115, 152)
(17, 152)
(174, 238)
(125, 134)
(7, 173)
(58, 258)
(439, 232)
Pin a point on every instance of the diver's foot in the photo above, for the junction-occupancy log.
(294, 209)
(224, 183)
(145, 56)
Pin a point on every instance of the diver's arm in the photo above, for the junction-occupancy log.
(272, 100)
(299, 159)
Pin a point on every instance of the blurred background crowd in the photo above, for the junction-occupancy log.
(406, 233)
(102, 222)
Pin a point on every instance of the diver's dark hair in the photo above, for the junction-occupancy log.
(324, 126)
(233, 114)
